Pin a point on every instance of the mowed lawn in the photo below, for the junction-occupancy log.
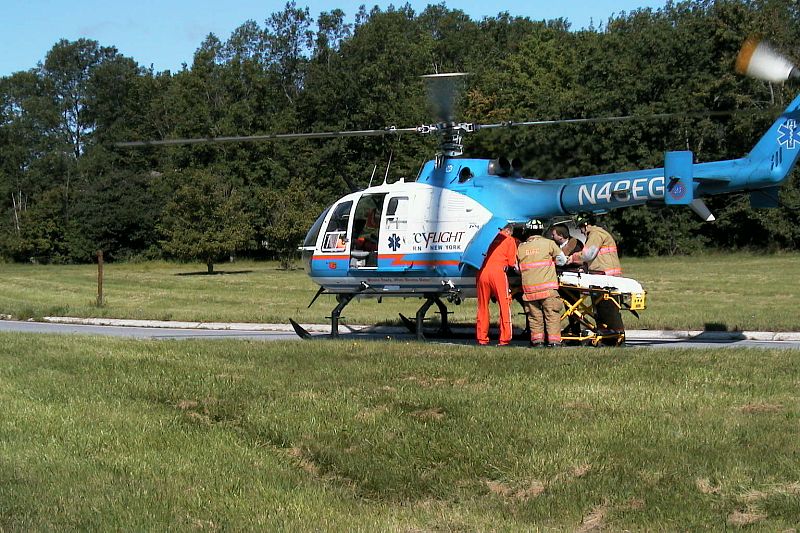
(108, 434)
(717, 291)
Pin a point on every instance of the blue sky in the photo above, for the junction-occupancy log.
(165, 33)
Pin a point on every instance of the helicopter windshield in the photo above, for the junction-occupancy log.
(313, 233)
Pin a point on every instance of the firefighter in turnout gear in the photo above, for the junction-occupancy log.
(492, 282)
(538, 258)
(600, 252)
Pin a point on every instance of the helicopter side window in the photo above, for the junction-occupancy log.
(397, 213)
(336, 232)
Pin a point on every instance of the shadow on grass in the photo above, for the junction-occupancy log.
(719, 332)
(216, 273)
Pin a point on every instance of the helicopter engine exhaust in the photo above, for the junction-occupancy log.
(500, 167)
(758, 60)
(504, 168)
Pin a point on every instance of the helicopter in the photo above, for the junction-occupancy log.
(427, 237)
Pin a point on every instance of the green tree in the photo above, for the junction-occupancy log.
(205, 219)
(290, 211)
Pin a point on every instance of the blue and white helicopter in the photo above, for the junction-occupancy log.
(428, 237)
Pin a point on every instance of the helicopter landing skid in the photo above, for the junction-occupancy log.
(417, 326)
(336, 314)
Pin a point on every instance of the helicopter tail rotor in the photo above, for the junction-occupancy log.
(759, 60)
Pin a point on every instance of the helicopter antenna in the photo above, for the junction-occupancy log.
(374, 168)
(388, 164)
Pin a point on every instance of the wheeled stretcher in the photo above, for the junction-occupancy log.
(592, 305)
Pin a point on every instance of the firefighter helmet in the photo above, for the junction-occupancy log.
(534, 225)
(582, 219)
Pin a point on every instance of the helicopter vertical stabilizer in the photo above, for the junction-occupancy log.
(776, 152)
(678, 184)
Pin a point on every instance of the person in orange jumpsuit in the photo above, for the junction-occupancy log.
(492, 282)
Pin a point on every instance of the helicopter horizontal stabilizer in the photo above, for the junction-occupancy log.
(765, 198)
(678, 170)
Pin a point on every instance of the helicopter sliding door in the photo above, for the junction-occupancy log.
(366, 231)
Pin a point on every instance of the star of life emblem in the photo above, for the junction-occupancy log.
(788, 134)
(394, 242)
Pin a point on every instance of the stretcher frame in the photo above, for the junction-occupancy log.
(580, 308)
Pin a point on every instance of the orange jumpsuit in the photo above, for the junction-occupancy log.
(492, 281)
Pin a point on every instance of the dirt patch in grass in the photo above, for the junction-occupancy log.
(428, 382)
(573, 473)
(595, 520)
(185, 405)
(199, 417)
(434, 413)
(581, 470)
(745, 518)
(371, 413)
(531, 490)
(757, 408)
(306, 464)
(705, 486)
(753, 496)
(634, 504)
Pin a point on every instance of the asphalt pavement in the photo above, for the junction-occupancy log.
(151, 329)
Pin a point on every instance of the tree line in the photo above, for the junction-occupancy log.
(66, 190)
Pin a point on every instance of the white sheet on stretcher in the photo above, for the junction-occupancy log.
(587, 281)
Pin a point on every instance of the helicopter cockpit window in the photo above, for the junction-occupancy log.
(313, 233)
(336, 232)
(396, 213)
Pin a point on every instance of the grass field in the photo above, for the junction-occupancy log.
(733, 292)
(108, 434)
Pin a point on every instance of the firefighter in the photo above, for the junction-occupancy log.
(492, 282)
(538, 257)
(600, 252)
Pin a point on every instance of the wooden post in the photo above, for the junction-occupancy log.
(99, 278)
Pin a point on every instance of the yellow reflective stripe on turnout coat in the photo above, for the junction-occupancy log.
(536, 262)
(607, 259)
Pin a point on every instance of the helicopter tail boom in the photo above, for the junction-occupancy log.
(683, 182)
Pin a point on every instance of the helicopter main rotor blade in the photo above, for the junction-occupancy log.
(656, 116)
(270, 137)
(463, 127)
(443, 89)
